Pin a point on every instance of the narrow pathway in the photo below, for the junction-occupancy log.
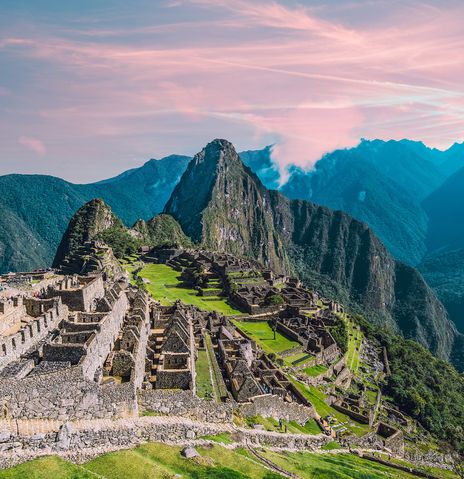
(271, 465)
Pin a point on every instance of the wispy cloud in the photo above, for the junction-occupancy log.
(33, 144)
(308, 79)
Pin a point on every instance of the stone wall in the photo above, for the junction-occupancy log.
(13, 346)
(102, 344)
(185, 404)
(83, 297)
(94, 438)
(276, 407)
(65, 395)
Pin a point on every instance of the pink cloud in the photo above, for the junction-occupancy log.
(33, 144)
(255, 72)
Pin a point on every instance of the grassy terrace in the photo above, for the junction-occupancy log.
(166, 287)
(316, 370)
(203, 378)
(263, 334)
(332, 466)
(317, 398)
(158, 461)
(355, 337)
(271, 424)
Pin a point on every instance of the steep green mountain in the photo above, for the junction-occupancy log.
(90, 220)
(221, 204)
(360, 189)
(95, 220)
(444, 208)
(444, 272)
(35, 210)
(162, 230)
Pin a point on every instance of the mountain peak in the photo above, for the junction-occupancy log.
(90, 219)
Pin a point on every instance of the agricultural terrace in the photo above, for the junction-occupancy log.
(318, 399)
(263, 334)
(355, 337)
(165, 286)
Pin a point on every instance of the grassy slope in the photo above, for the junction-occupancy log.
(158, 461)
(165, 287)
(330, 466)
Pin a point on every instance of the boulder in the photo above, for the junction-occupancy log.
(189, 452)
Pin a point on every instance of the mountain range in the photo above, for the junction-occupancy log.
(408, 194)
(221, 205)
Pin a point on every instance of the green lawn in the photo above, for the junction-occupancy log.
(295, 357)
(271, 424)
(203, 378)
(159, 461)
(165, 287)
(263, 334)
(222, 437)
(333, 466)
(149, 461)
(316, 370)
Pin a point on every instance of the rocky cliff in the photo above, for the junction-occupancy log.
(222, 205)
(90, 220)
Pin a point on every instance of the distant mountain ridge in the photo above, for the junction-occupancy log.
(35, 210)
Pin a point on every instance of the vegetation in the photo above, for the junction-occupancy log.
(355, 337)
(154, 461)
(165, 286)
(428, 389)
(275, 299)
(315, 370)
(340, 334)
(203, 378)
(317, 398)
(332, 466)
(222, 437)
(122, 243)
(263, 334)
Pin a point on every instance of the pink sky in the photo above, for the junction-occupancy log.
(88, 92)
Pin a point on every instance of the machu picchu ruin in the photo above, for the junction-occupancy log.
(95, 346)
(144, 334)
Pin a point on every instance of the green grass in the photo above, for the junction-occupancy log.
(333, 466)
(317, 398)
(159, 461)
(149, 461)
(431, 470)
(222, 437)
(263, 334)
(165, 287)
(330, 446)
(316, 370)
(311, 427)
(355, 337)
(271, 424)
(203, 377)
(52, 467)
(289, 360)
